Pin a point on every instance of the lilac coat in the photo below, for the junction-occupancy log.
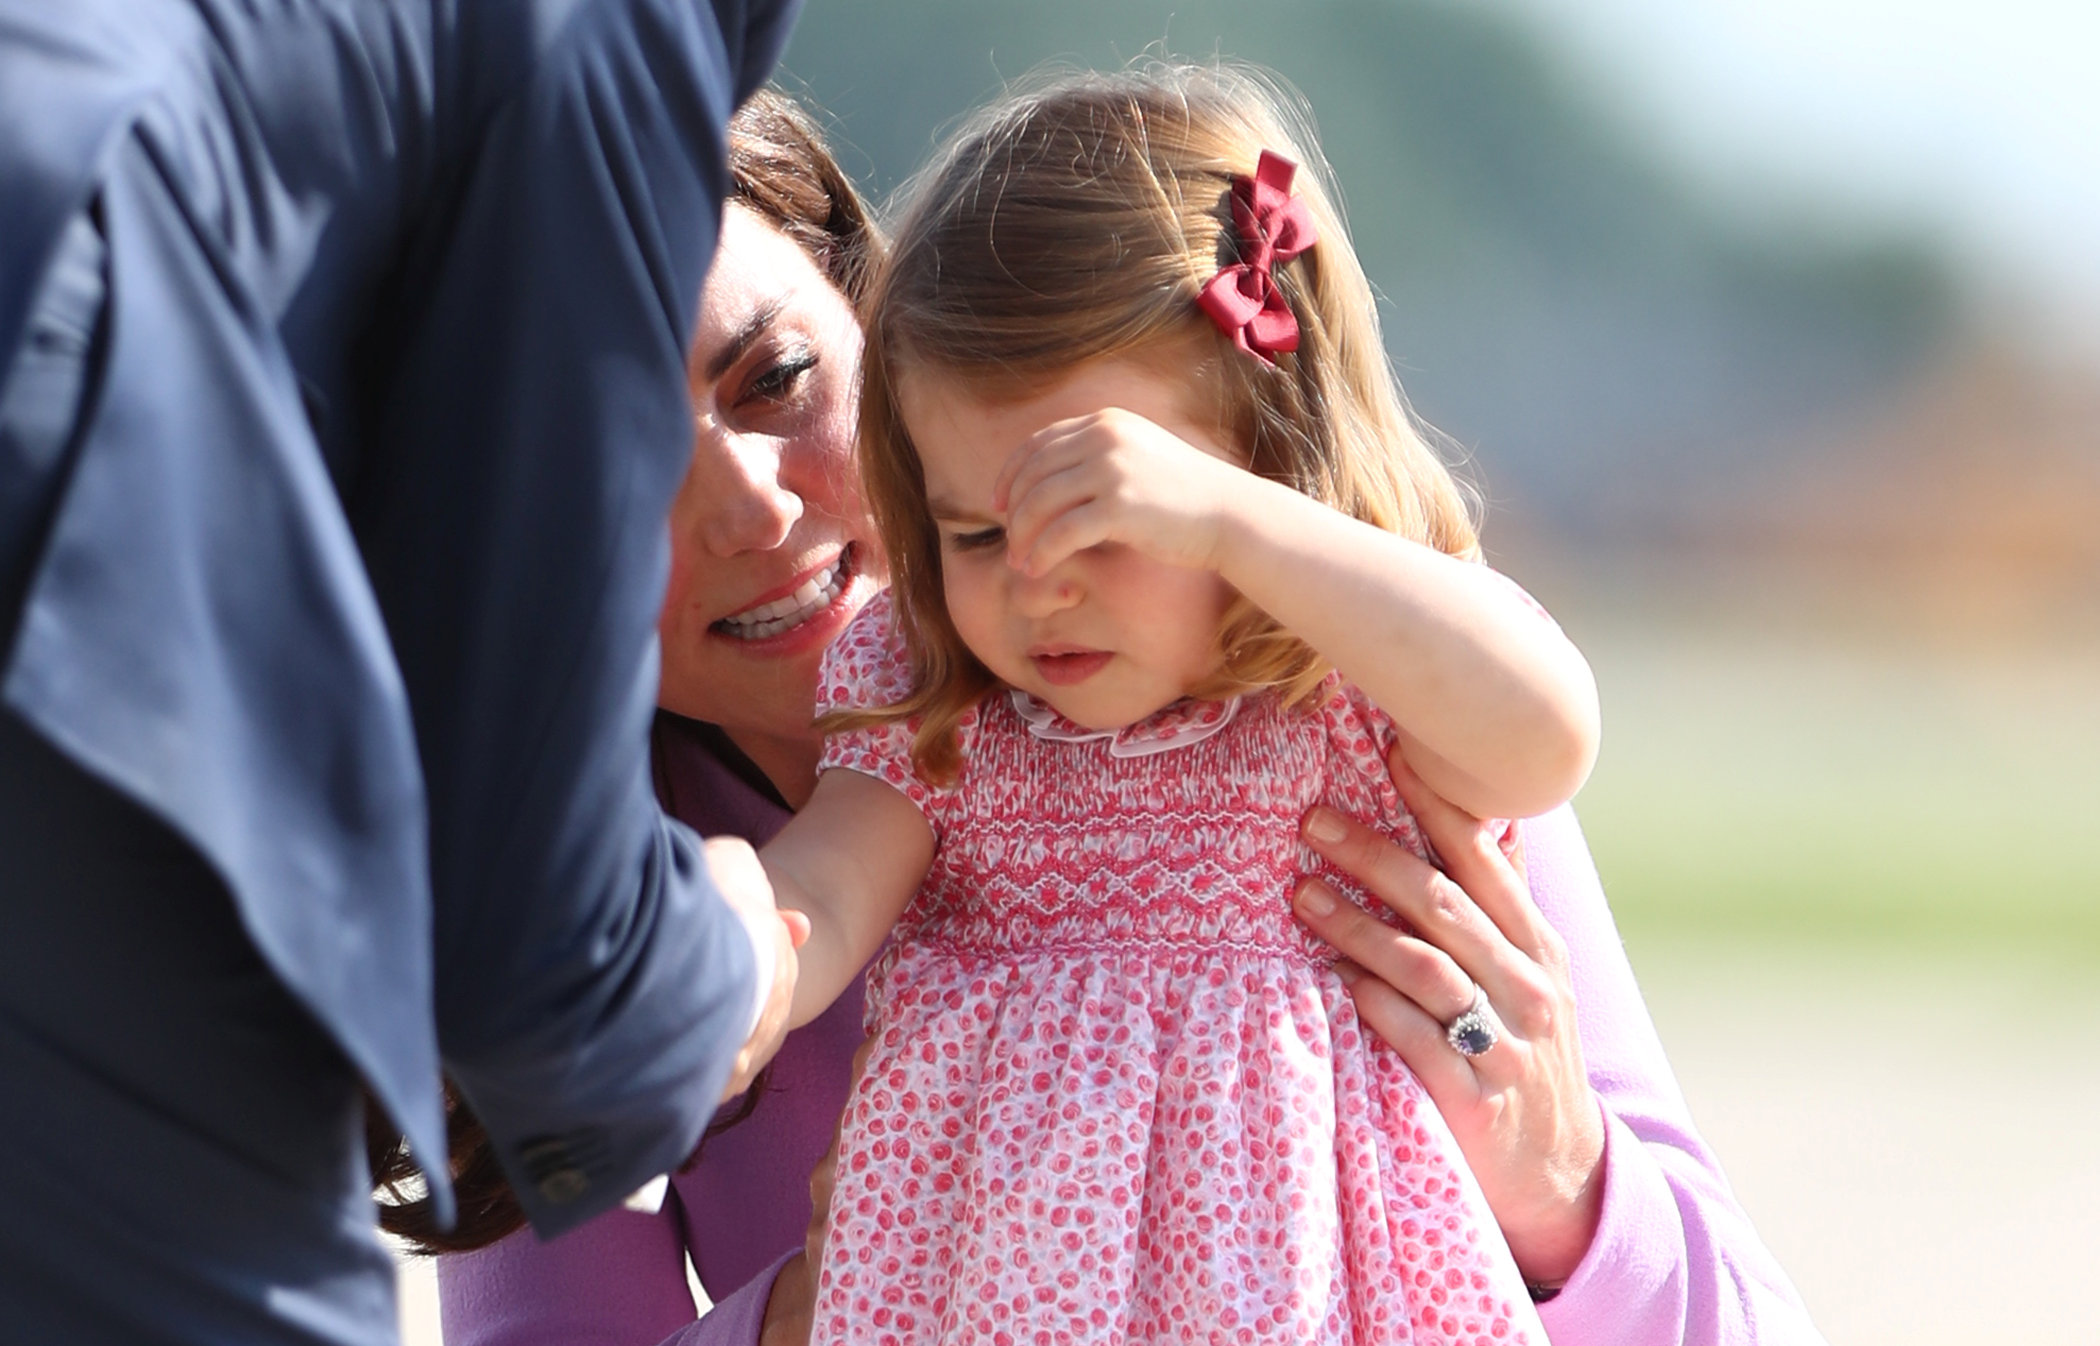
(1675, 1259)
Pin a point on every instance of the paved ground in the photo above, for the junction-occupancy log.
(1916, 1138)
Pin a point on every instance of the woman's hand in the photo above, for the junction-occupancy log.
(1114, 476)
(1522, 1111)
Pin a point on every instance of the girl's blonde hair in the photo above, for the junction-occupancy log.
(1076, 221)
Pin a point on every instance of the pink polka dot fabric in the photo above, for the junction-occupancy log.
(1117, 1094)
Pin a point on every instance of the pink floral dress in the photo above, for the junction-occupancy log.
(1117, 1093)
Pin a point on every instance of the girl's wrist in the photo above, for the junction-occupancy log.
(1254, 514)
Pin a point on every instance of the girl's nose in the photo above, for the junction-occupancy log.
(745, 506)
(1038, 596)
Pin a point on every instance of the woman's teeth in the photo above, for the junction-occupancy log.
(782, 614)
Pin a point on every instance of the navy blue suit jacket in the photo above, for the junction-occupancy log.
(351, 573)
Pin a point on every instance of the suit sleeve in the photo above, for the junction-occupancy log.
(591, 986)
(1675, 1261)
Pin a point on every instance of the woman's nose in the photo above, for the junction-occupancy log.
(744, 506)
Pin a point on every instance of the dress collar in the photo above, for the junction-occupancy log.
(1185, 722)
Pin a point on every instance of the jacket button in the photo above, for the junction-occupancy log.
(563, 1185)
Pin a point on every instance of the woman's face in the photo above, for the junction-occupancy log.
(771, 549)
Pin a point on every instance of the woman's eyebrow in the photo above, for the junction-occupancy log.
(754, 327)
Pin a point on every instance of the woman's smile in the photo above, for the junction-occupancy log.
(793, 605)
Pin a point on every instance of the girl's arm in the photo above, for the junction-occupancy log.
(849, 860)
(1496, 708)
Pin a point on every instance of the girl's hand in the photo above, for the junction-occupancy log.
(1522, 1111)
(1114, 476)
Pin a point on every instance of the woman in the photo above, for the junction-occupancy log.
(1615, 1209)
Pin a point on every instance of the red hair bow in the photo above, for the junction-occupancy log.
(1273, 226)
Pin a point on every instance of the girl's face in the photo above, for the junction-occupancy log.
(1109, 635)
(772, 552)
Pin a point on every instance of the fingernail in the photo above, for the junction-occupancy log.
(1324, 824)
(1350, 973)
(1314, 898)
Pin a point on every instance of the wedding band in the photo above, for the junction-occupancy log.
(1473, 1032)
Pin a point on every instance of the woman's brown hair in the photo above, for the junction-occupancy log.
(1076, 221)
(782, 169)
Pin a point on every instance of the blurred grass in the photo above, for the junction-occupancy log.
(1840, 788)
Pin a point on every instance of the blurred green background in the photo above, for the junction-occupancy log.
(1769, 332)
(1827, 530)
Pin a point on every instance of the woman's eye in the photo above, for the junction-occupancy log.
(777, 381)
(979, 540)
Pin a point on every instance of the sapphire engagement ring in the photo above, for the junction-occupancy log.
(1473, 1032)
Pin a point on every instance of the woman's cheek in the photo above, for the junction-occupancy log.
(674, 591)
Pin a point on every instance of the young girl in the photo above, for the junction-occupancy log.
(1171, 567)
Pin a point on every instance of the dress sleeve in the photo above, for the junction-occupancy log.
(1524, 596)
(867, 667)
(1675, 1261)
(1363, 736)
(1360, 730)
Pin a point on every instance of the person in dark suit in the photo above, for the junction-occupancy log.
(342, 396)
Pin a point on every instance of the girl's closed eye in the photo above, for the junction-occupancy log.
(977, 539)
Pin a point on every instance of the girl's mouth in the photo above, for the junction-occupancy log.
(1063, 668)
(816, 594)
